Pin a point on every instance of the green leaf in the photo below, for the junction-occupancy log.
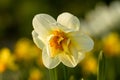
(101, 67)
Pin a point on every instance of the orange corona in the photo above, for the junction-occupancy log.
(56, 42)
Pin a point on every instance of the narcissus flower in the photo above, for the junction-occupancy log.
(61, 40)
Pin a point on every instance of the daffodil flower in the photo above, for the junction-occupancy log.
(61, 40)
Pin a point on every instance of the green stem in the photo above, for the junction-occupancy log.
(53, 74)
(65, 72)
(101, 67)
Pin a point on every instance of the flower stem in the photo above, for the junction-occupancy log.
(65, 72)
(53, 74)
(101, 67)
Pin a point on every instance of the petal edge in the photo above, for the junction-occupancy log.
(69, 21)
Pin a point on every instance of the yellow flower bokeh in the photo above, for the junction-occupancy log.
(35, 74)
(111, 44)
(26, 50)
(89, 64)
(6, 60)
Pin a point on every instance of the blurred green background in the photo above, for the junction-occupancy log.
(16, 15)
(20, 59)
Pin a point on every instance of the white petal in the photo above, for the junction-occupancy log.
(36, 40)
(68, 60)
(82, 42)
(81, 56)
(68, 20)
(78, 56)
(42, 24)
(61, 27)
(48, 61)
